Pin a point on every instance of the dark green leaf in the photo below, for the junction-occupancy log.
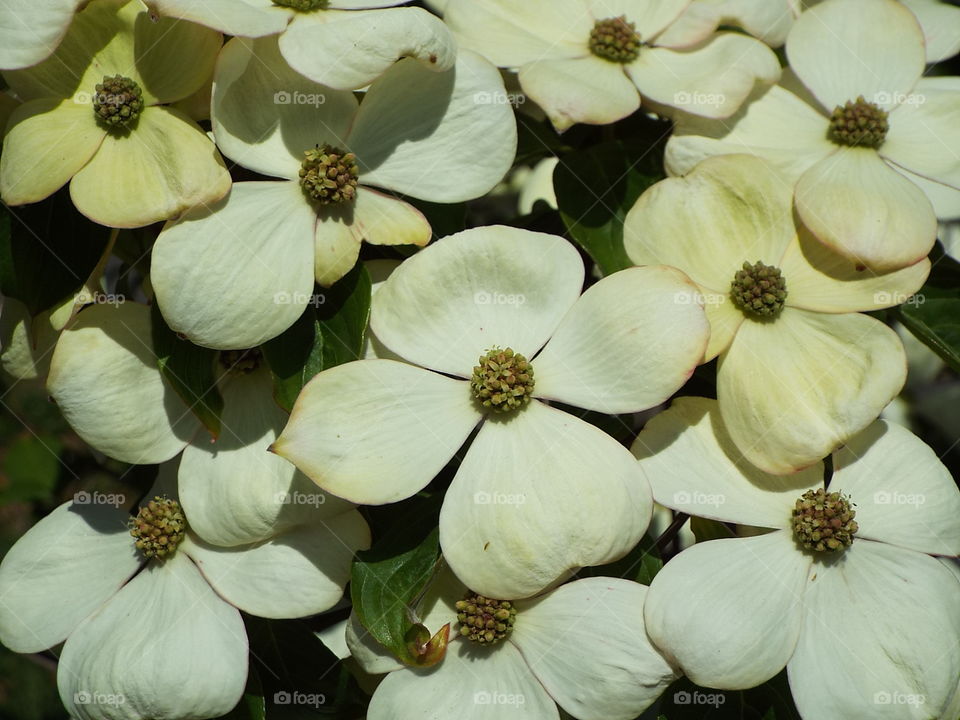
(595, 190)
(385, 583)
(189, 369)
(47, 251)
(704, 529)
(444, 219)
(640, 565)
(537, 139)
(330, 332)
(933, 313)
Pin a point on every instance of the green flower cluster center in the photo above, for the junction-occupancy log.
(118, 101)
(483, 620)
(303, 5)
(759, 290)
(329, 175)
(241, 361)
(503, 381)
(615, 39)
(824, 522)
(859, 124)
(158, 528)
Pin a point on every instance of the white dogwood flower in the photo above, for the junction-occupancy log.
(591, 61)
(241, 272)
(800, 368)
(831, 590)
(868, 141)
(539, 491)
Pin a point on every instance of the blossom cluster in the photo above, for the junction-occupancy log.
(310, 345)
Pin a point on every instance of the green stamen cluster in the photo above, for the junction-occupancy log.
(615, 39)
(158, 528)
(823, 521)
(484, 620)
(329, 175)
(118, 101)
(303, 5)
(759, 290)
(859, 124)
(503, 381)
(241, 361)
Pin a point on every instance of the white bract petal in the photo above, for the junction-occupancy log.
(627, 344)
(241, 272)
(105, 380)
(487, 287)
(166, 646)
(30, 31)
(65, 567)
(506, 526)
(730, 611)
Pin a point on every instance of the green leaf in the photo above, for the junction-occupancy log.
(330, 332)
(640, 565)
(444, 218)
(31, 466)
(596, 188)
(189, 369)
(933, 313)
(704, 529)
(47, 251)
(385, 583)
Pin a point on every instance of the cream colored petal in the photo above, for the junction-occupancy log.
(819, 279)
(941, 27)
(650, 16)
(64, 568)
(162, 168)
(903, 493)
(725, 319)
(377, 431)
(712, 79)
(241, 272)
(865, 650)
(730, 611)
(243, 18)
(793, 389)
(30, 31)
(381, 219)
(693, 466)
(626, 345)
(46, 144)
(774, 124)
(105, 380)
(265, 115)
(537, 496)
(863, 208)
(469, 292)
(165, 646)
(336, 245)
(438, 136)
(586, 89)
(350, 50)
(511, 35)
(622, 674)
(841, 50)
(736, 205)
(297, 573)
(924, 134)
(697, 22)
